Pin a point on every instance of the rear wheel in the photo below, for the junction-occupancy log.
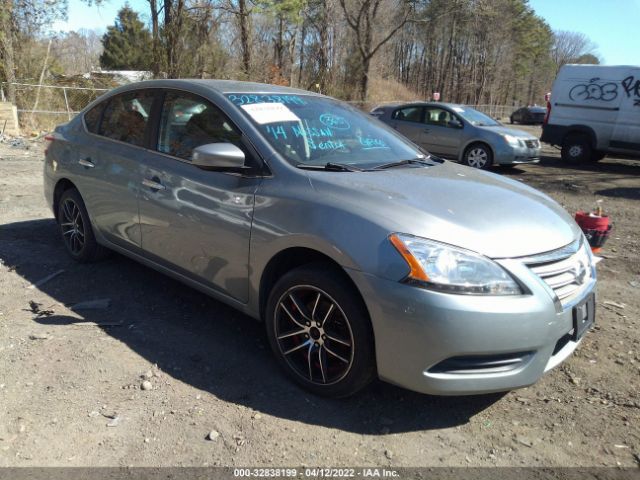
(320, 332)
(479, 156)
(75, 228)
(576, 148)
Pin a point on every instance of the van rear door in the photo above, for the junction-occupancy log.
(626, 134)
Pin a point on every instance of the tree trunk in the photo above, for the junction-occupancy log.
(364, 79)
(155, 39)
(323, 53)
(243, 18)
(303, 39)
(6, 42)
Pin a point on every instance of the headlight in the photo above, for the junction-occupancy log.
(453, 270)
(513, 141)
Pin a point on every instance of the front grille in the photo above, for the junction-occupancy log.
(532, 143)
(567, 272)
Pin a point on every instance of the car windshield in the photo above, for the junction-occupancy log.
(316, 131)
(474, 117)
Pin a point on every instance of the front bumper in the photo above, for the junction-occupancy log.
(510, 155)
(420, 333)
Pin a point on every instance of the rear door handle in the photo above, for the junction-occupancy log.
(426, 130)
(153, 184)
(86, 162)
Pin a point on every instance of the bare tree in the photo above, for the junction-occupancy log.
(363, 17)
(571, 47)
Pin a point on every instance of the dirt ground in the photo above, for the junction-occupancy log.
(71, 383)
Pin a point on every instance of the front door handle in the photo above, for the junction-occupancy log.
(154, 184)
(86, 162)
(426, 130)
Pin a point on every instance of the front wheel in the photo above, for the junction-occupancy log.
(320, 332)
(478, 156)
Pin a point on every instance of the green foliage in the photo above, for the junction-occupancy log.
(127, 44)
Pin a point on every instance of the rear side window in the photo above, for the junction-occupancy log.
(92, 117)
(126, 117)
(408, 114)
(189, 121)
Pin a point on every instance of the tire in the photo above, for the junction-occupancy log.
(320, 332)
(597, 155)
(478, 155)
(511, 120)
(576, 148)
(76, 230)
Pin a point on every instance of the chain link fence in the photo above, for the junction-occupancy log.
(41, 107)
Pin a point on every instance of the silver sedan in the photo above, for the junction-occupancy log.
(364, 257)
(461, 133)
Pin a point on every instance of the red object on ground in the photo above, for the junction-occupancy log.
(595, 227)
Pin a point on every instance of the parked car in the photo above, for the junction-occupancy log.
(461, 133)
(594, 110)
(364, 256)
(532, 115)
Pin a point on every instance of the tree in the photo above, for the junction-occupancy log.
(127, 44)
(21, 21)
(571, 47)
(363, 17)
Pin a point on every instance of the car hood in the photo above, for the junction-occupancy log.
(453, 204)
(502, 130)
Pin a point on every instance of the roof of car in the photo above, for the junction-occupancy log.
(420, 103)
(222, 86)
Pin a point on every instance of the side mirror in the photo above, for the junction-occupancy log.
(455, 124)
(218, 156)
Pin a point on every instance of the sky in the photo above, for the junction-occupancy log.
(611, 24)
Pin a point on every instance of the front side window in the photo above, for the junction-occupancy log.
(408, 114)
(189, 121)
(127, 116)
(312, 130)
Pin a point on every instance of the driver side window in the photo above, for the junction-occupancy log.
(189, 121)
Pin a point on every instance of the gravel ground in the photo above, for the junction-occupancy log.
(163, 375)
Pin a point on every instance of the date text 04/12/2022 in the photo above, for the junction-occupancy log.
(316, 472)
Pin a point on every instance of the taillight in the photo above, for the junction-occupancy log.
(49, 139)
(546, 117)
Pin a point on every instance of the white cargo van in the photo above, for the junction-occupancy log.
(594, 110)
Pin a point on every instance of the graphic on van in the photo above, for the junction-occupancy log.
(632, 88)
(605, 92)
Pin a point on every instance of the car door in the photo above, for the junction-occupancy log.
(408, 121)
(194, 221)
(443, 131)
(516, 116)
(626, 133)
(110, 160)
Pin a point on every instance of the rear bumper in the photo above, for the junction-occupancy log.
(553, 134)
(423, 338)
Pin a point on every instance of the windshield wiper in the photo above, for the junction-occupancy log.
(330, 166)
(412, 161)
